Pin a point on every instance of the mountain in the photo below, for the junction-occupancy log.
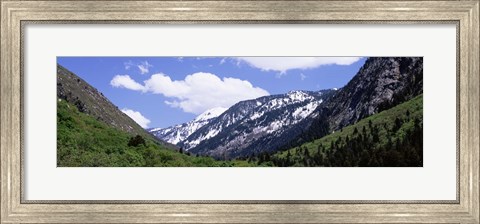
(391, 138)
(383, 99)
(178, 133)
(89, 100)
(381, 83)
(92, 132)
(279, 122)
(253, 126)
(84, 141)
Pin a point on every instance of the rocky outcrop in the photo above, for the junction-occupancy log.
(380, 84)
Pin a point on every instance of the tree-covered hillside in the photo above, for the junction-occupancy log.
(83, 141)
(390, 138)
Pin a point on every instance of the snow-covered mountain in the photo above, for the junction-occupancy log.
(277, 122)
(253, 126)
(178, 133)
(244, 128)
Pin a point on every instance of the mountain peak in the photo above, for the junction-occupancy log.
(178, 133)
(298, 95)
(211, 113)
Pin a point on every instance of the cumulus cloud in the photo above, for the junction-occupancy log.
(282, 64)
(198, 92)
(124, 81)
(137, 117)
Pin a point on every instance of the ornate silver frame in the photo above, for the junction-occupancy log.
(465, 14)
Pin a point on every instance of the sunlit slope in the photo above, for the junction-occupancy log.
(83, 141)
(393, 137)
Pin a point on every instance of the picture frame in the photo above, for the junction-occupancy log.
(465, 14)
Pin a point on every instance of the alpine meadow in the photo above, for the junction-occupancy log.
(239, 111)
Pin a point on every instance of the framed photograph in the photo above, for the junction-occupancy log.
(240, 112)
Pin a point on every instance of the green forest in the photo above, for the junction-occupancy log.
(83, 141)
(391, 138)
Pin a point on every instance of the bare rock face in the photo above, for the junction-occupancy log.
(380, 84)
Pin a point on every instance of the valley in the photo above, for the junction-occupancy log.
(376, 119)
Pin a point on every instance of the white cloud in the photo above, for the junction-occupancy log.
(198, 92)
(282, 64)
(137, 117)
(125, 81)
(144, 67)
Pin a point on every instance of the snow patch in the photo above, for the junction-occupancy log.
(211, 113)
(178, 133)
(306, 110)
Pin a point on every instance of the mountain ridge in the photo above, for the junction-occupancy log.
(247, 123)
(380, 83)
(89, 100)
(177, 133)
(392, 137)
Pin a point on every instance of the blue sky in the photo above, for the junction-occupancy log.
(164, 91)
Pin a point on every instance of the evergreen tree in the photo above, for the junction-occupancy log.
(137, 140)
